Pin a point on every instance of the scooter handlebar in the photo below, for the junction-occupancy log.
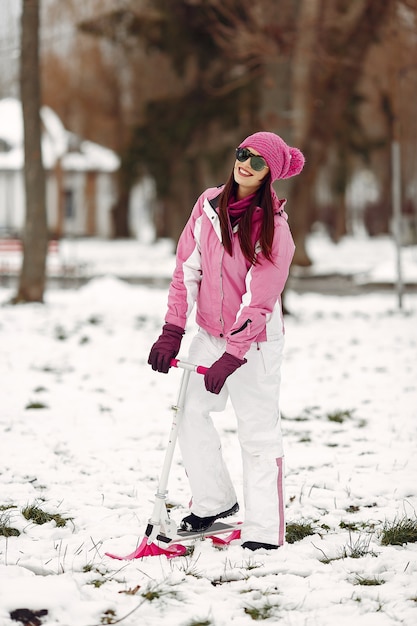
(200, 369)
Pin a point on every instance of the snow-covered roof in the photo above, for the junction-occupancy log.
(91, 156)
(56, 143)
(54, 137)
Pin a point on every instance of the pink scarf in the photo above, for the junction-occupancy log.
(237, 208)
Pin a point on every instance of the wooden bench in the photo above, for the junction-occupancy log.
(16, 245)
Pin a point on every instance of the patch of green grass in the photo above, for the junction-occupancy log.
(399, 532)
(94, 320)
(36, 405)
(200, 622)
(263, 612)
(102, 577)
(151, 595)
(357, 526)
(250, 564)
(156, 592)
(88, 568)
(353, 509)
(348, 525)
(97, 582)
(190, 567)
(299, 418)
(310, 412)
(37, 516)
(339, 416)
(296, 531)
(5, 529)
(368, 581)
(8, 531)
(7, 507)
(305, 416)
(354, 549)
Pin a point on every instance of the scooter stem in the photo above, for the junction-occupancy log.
(160, 521)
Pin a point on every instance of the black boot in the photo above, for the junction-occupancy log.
(193, 523)
(256, 545)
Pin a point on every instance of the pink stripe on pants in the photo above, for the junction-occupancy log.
(280, 489)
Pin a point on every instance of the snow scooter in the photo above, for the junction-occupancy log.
(162, 534)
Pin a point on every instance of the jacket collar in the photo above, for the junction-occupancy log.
(215, 202)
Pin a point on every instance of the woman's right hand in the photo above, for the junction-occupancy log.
(165, 348)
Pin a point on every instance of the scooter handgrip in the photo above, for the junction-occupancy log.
(200, 369)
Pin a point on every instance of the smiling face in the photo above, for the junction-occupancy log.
(247, 179)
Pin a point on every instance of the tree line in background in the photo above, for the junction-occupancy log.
(174, 85)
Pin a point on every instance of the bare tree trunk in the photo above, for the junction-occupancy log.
(120, 215)
(303, 58)
(35, 238)
(333, 77)
(303, 99)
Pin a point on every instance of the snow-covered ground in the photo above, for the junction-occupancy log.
(93, 449)
(366, 260)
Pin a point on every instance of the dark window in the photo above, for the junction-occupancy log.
(69, 205)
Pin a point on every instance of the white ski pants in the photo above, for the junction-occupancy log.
(254, 393)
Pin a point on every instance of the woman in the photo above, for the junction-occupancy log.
(233, 260)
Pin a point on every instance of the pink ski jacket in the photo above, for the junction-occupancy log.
(235, 300)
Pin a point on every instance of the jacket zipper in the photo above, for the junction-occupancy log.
(221, 293)
(244, 325)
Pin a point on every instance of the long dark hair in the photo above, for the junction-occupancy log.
(262, 199)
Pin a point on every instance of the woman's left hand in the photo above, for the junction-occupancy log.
(216, 375)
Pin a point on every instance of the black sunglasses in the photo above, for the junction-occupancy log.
(257, 162)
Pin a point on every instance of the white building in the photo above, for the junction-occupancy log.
(80, 177)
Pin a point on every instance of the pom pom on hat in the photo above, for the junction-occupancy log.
(282, 160)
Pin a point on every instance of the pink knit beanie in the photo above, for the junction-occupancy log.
(283, 161)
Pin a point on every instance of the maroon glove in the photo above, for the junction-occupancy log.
(216, 375)
(165, 348)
